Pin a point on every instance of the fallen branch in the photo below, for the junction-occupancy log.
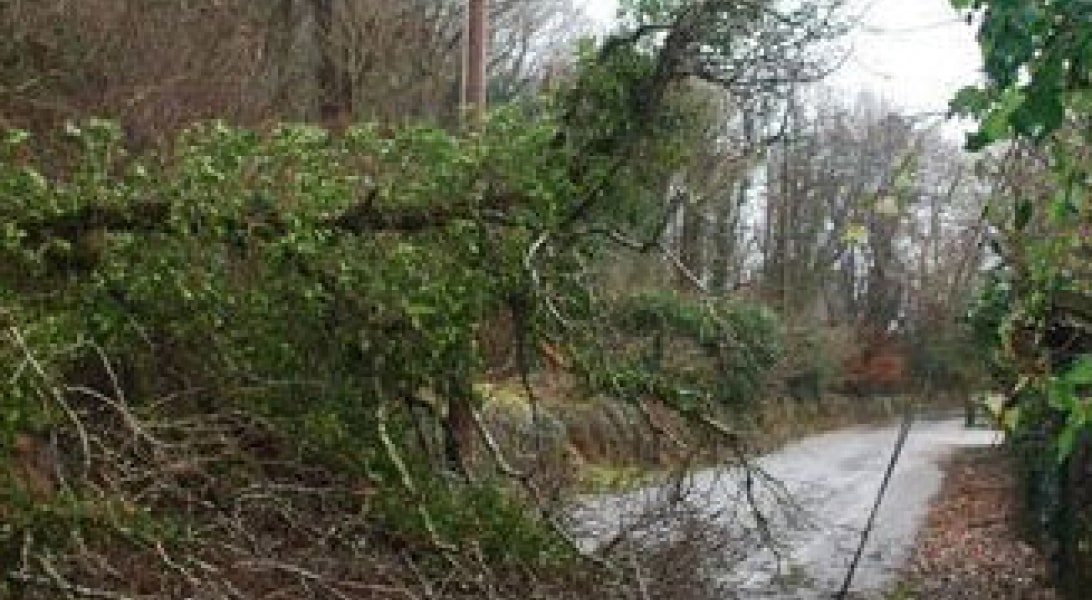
(406, 479)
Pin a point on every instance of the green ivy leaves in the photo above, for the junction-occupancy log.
(1038, 65)
(1036, 55)
(1070, 392)
(15, 137)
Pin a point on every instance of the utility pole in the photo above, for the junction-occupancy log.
(474, 60)
(459, 424)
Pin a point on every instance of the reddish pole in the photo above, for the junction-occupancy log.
(459, 425)
(474, 75)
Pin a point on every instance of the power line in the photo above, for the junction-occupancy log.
(874, 71)
(911, 29)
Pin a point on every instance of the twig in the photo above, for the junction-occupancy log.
(131, 421)
(298, 571)
(56, 394)
(23, 578)
(405, 479)
(529, 260)
(657, 428)
(494, 448)
(426, 585)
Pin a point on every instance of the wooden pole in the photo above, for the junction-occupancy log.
(459, 424)
(474, 71)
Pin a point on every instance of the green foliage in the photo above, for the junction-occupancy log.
(485, 515)
(985, 318)
(1038, 59)
(1070, 393)
(301, 276)
(57, 518)
(307, 277)
(697, 354)
(308, 281)
(1038, 64)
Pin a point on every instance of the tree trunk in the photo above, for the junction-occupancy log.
(459, 429)
(334, 86)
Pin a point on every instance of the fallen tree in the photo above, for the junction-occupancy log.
(214, 351)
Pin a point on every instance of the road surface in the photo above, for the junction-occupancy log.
(831, 482)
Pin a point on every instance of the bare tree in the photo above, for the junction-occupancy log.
(159, 66)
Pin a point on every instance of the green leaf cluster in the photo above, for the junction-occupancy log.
(1038, 66)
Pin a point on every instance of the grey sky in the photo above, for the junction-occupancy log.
(914, 53)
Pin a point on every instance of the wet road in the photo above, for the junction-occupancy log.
(831, 482)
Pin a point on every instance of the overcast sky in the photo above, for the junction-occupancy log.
(915, 53)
